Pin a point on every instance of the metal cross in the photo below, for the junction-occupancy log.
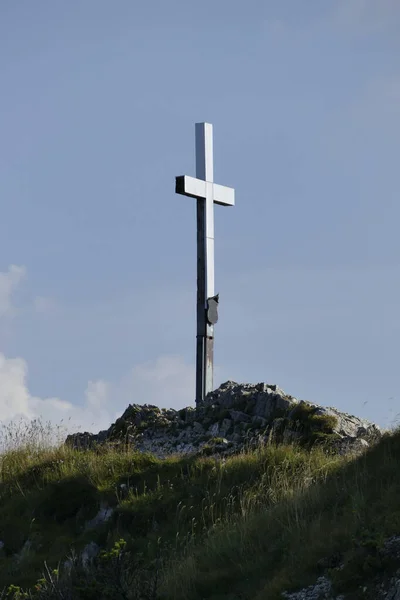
(207, 193)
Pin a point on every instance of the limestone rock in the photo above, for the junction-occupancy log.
(89, 553)
(238, 413)
(350, 426)
(322, 590)
(104, 514)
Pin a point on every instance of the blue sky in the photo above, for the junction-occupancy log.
(97, 254)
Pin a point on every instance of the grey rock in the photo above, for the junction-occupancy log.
(67, 566)
(290, 435)
(24, 552)
(89, 553)
(238, 416)
(321, 590)
(259, 422)
(256, 412)
(214, 429)
(270, 401)
(104, 514)
(351, 446)
(198, 428)
(351, 426)
(393, 592)
(391, 547)
(226, 425)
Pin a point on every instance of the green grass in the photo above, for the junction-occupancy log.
(350, 509)
(254, 524)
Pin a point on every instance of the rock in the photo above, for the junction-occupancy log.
(272, 400)
(23, 553)
(237, 412)
(89, 553)
(322, 590)
(352, 445)
(351, 426)
(214, 429)
(383, 585)
(259, 422)
(290, 435)
(198, 428)
(391, 547)
(124, 490)
(238, 416)
(67, 566)
(226, 425)
(393, 593)
(104, 514)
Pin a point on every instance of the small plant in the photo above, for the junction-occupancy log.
(14, 592)
(324, 423)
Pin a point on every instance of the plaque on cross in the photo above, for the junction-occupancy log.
(207, 193)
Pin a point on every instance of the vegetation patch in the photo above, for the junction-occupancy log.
(193, 527)
(72, 497)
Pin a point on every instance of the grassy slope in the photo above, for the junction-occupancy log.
(247, 527)
(350, 511)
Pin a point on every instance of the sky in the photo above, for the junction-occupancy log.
(98, 105)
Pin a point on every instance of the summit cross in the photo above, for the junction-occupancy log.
(203, 188)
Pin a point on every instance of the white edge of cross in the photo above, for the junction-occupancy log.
(203, 187)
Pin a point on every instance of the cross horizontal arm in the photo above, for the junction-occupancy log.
(196, 188)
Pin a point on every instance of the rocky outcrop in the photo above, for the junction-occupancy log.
(232, 417)
(384, 585)
(321, 590)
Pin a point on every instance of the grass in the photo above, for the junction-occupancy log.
(245, 527)
(350, 509)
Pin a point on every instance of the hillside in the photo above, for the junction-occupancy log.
(245, 517)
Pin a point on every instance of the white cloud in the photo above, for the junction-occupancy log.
(97, 393)
(165, 382)
(8, 283)
(14, 396)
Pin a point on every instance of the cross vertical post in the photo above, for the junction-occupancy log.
(205, 261)
(207, 193)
